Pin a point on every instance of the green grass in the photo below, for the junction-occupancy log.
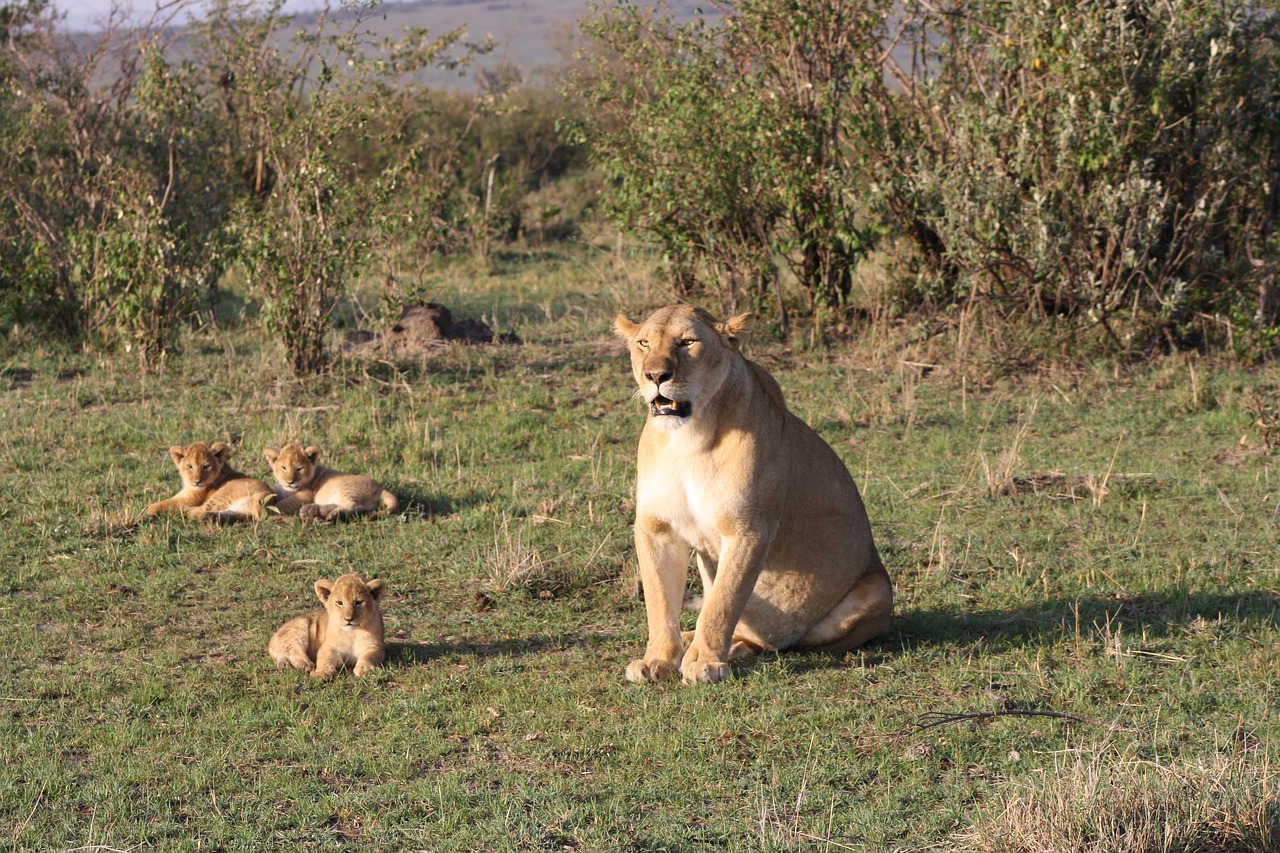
(1093, 544)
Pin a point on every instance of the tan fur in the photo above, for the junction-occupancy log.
(211, 489)
(348, 631)
(306, 488)
(781, 537)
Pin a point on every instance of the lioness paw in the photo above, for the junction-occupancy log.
(700, 667)
(642, 671)
(704, 673)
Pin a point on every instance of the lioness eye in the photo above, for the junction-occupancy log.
(642, 344)
(686, 343)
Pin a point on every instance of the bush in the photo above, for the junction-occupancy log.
(727, 140)
(1113, 163)
(116, 193)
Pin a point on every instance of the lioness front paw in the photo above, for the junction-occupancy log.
(643, 671)
(704, 673)
(698, 668)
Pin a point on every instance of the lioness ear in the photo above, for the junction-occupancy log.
(271, 453)
(376, 588)
(221, 450)
(324, 589)
(736, 328)
(176, 453)
(313, 453)
(624, 327)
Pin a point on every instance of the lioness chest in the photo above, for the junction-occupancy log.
(696, 495)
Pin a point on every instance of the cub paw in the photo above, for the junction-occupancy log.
(310, 511)
(642, 671)
(362, 669)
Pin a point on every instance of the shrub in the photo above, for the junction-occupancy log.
(1114, 163)
(727, 139)
(114, 190)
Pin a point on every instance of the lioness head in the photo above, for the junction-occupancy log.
(350, 602)
(293, 466)
(679, 356)
(199, 464)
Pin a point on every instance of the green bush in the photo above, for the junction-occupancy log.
(726, 140)
(115, 187)
(1107, 162)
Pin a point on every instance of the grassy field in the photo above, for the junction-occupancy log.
(1085, 564)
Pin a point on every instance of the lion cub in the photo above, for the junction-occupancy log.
(347, 631)
(308, 489)
(211, 489)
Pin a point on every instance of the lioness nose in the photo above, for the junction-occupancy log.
(657, 377)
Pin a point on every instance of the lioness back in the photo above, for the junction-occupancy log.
(306, 488)
(348, 631)
(211, 489)
(725, 470)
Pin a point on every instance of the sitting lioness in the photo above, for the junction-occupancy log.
(782, 540)
(308, 489)
(211, 489)
(347, 631)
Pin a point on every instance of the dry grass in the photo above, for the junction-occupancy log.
(1097, 801)
(512, 564)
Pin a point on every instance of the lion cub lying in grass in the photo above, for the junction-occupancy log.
(211, 489)
(309, 490)
(347, 631)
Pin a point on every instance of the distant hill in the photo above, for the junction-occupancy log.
(530, 35)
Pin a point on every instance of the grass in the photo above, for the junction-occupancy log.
(1096, 544)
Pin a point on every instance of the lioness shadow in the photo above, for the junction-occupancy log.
(1153, 616)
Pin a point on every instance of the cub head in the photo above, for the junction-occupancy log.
(199, 464)
(352, 603)
(680, 356)
(293, 466)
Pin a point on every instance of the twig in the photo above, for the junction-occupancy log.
(939, 718)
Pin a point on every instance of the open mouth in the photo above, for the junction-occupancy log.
(661, 407)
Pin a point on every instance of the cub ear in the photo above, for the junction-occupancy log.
(376, 588)
(222, 450)
(313, 453)
(736, 328)
(324, 589)
(271, 453)
(176, 453)
(624, 327)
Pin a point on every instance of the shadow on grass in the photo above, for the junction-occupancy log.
(409, 653)
(416, 502)
(1151, 615)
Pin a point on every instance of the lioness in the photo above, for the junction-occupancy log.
(308, 489)
(211, 489)
(347, 631)
(782, 540)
